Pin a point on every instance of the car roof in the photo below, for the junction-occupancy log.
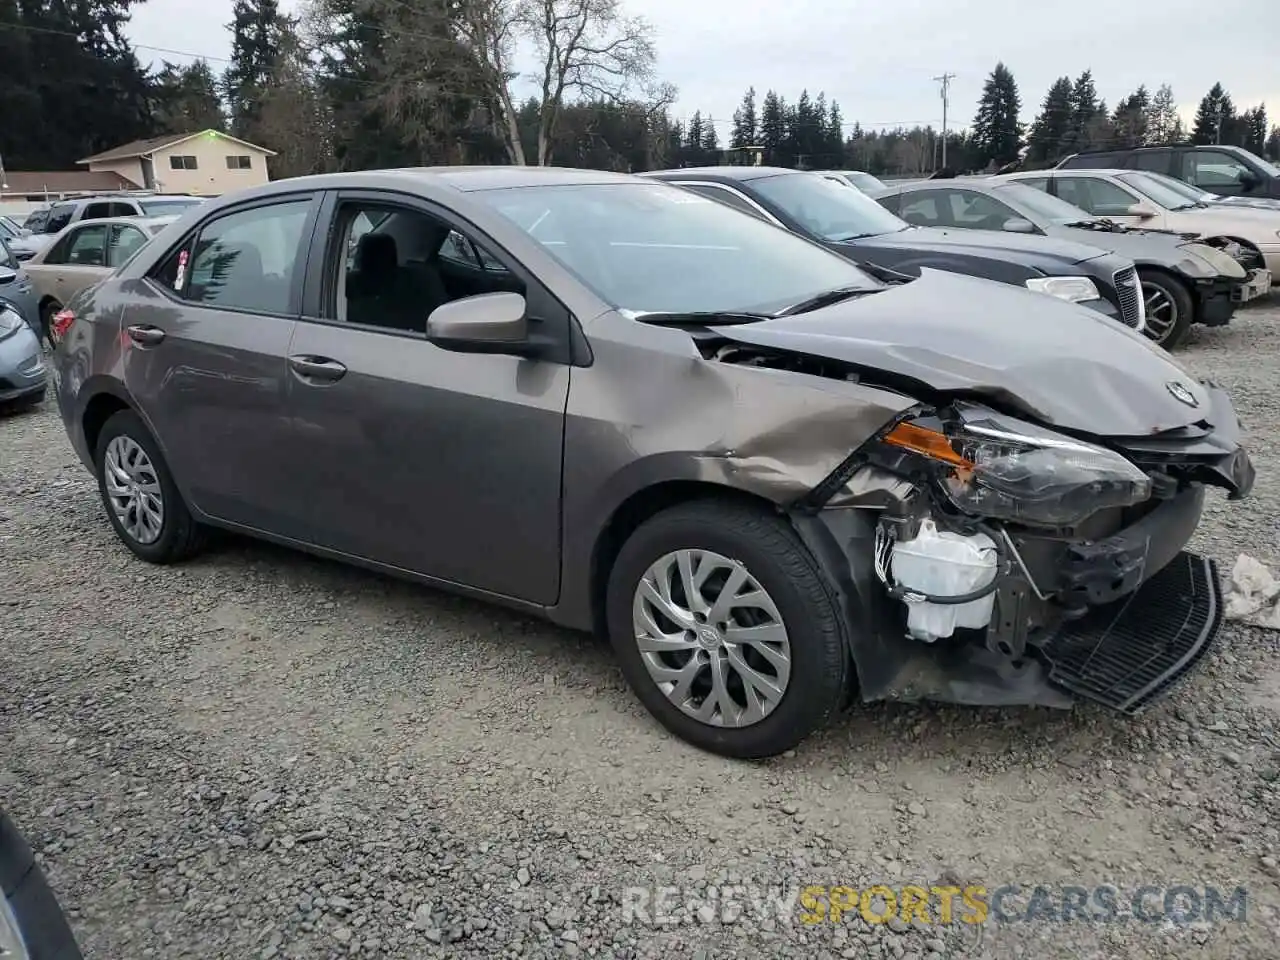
(725, 172)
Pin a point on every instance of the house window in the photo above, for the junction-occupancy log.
(182, 163)
(238, 163)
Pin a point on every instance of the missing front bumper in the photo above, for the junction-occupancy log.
(1257, 285)
(1131, 652)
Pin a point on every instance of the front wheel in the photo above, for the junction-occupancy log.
(727, 630)
(1169, 308)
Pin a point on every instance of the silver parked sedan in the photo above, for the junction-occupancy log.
(82, 254)
(761, 469)
(23, 374)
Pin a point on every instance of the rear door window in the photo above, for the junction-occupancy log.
(87, 247)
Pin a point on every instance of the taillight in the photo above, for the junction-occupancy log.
(62, 321)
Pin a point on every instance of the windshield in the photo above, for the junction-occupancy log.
(863, 181)
(1264, 164)
(7, 230)
(160, 208)
(7, 259)
(1153, 189)
(650, 247)
(1181, 187)
(1041, 204)
(826, 209)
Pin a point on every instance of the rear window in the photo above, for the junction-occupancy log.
(1094, 161)
(167, 208)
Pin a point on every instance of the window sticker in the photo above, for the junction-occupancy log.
(182, 270)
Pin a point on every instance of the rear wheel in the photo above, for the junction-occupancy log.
(1169, 307)
(47, 313)
(142, 502)
(727, 630)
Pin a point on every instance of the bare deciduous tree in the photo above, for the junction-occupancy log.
(468, 49)
(587, 46)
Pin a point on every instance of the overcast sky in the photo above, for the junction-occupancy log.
(878, 57)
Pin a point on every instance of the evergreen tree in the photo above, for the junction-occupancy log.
(710, 142)
(773, 127)
(1272, 151)
(1163, 124)
(1084, 110)
(1051, 127)
(997, 134)
(185, 99)
(255, 47)
(1255, 129)
(71, 84)
(1130, 119)
(1214, 117)
(835, 135)
(744, 121)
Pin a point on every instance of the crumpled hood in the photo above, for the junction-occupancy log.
(1063, 364)
(981, 242)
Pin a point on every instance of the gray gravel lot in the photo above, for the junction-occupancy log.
(259, 754)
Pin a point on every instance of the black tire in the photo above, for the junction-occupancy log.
(1176, 294)
(46, 321)
(780, 563)
(180, 536)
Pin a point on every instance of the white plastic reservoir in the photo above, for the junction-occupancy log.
(946, 564)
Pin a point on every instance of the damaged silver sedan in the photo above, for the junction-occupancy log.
(776, 481)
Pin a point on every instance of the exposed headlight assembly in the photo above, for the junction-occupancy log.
(1072, 289)
(995, 467)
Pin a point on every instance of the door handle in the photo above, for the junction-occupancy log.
(145, 335)
(317, 368)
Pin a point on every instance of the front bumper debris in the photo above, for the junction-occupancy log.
(1257, 284)
(1131, 652)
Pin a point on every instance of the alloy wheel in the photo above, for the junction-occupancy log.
(711, 638)
(1162, 312)
(133, 489)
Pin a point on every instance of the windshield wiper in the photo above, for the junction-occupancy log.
(846, 237)
(1098, 223)
(705, 318)
(825, 299)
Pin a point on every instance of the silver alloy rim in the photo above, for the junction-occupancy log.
(1162, 312)
(711, 638)
(133, 489)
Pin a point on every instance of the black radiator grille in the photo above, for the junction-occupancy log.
(1130, 293)
(1129, 653)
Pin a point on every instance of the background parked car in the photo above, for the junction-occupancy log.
(855, 226)
(1224, 170)
(10, 229)
(83, 254)
(23, 374)
(855, 178)
(63, 214)
(16, 287)
(1170, 268)
(1134, 198)
(1197, 195)
(32, 923)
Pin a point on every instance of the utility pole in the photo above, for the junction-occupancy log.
(945, 80)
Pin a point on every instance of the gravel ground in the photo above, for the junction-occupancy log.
(259, 754)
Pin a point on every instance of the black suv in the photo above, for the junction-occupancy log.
(1226, 171)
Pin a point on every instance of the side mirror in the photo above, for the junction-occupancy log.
(1018, 225)
(1248, 179)
(486, 323)
(24, 232)
(1142, 211)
